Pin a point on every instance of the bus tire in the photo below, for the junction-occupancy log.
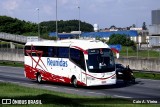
(39, 78)
(74, 81)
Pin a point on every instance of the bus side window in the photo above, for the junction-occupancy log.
(63, 52)
(29, 48)
(50, 51)
(40, 48)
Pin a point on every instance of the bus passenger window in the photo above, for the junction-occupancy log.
(63, 52)
(50, 52)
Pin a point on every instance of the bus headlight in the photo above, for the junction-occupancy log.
(90, 78)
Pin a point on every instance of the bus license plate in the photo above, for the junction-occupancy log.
(103, 82)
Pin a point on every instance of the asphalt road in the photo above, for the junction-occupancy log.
(143, 88)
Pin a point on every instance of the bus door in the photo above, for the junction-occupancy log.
(77, 57)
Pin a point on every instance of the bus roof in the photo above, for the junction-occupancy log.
(84, 44)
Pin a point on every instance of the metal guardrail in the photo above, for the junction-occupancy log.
(14, 38)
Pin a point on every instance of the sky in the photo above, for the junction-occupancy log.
(105, 13)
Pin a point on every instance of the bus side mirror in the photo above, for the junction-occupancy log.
(117, 55)
(115, 51)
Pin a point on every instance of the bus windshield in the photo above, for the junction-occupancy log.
(100, 60)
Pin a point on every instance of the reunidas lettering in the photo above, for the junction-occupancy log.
(58, 62)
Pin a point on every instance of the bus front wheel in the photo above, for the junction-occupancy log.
(39, 78)
(74, 81)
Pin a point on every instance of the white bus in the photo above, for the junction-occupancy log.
(77, 62)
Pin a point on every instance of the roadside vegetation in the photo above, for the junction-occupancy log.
(11, 63)
(57, 99)
(132, 52)
(148, 75)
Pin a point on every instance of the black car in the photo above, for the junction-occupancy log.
(120, 69)
(124, 73)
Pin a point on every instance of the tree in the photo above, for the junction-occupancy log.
(144, 27)
(16, 26)
(120, 39)
(67, 26)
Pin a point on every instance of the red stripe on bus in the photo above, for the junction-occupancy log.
(46, 76)
(114, 50)
(84, 51)
(99, 78)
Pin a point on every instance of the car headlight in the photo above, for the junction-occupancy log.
(119, 73)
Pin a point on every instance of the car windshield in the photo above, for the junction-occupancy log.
(100, 60)
(120, 66)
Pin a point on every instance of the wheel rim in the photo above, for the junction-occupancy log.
(39, 78)
(75, 82)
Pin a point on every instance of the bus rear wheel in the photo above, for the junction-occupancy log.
(39, 78)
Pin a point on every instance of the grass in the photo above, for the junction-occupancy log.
(145, 75)
(57, 99)
(141, 53)
(11, 63)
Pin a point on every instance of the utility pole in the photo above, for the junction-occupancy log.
(56, 22)
(79, 21)
(38, 24)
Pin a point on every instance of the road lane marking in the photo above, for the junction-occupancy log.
(96, 93)
(121, 96)
(70, 89)
(28, 83)
(50, 86)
